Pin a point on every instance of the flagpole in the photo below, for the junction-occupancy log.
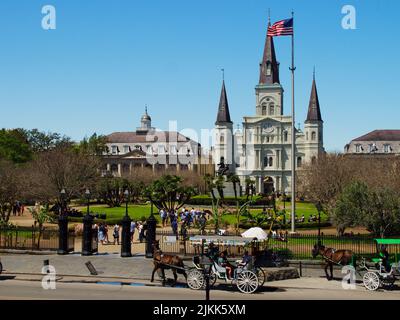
(293, 184)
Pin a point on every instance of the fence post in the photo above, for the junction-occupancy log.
(301, 268)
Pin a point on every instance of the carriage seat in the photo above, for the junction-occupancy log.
(219, 268)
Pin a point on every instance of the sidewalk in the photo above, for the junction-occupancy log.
(107, 265)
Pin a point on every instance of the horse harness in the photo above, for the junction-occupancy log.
(331, 255)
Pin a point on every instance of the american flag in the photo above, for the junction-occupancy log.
(281, 28)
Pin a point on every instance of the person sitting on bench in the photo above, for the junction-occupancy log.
(223, 262)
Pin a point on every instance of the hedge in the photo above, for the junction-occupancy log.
(205, 200)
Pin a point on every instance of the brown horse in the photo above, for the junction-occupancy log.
(164, 262)
(332, 256)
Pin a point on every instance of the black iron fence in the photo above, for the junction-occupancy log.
(290, 246)
(32, 239)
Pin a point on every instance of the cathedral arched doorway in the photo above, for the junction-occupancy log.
(268, 186)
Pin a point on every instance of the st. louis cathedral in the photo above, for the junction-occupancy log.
(262, 149)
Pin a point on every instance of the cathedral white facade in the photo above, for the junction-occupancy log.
(261, 151)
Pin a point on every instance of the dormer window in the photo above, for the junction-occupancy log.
(127, 149)
(358, 148)
(114, 149)
(387, 148)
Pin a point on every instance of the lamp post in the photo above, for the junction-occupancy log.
(319, 209)
(126, 230)
(62, 225)
(87, 241)
(150, 233)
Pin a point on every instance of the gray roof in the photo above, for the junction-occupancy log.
(380, 135)
(223, 108)
(158, 136)
(314, 111)
(269, 58)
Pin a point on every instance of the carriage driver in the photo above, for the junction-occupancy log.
(213, 252)
(384, 255)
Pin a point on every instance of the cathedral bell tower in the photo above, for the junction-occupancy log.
(269, 92)
(313, 126)
(223, 134)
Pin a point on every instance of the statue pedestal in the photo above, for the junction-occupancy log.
(228, 190)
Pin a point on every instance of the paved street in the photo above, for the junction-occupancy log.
(305, 288)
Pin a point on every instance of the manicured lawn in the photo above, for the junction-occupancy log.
(137, 212)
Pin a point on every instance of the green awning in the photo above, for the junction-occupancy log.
(387, 241)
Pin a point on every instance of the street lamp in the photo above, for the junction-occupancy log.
(151, 225)
(126, 230)
(62, 225)
(319, 209)
(87, 242)
(87, 196)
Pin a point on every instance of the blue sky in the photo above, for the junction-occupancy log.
(107, 59)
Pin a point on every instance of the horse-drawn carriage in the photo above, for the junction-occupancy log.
(245, 276)
(383, 271)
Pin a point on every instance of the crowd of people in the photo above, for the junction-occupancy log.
(187, 218)
(102, 230)
(18, 209)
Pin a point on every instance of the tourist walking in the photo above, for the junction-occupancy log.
(116, 234)
(132, 229)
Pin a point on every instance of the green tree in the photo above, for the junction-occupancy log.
(11, 188)
(40, 141)
(14, 146)
(41, 216)
(169, 193)
(111, 190)
(351, 206)
(382, 216)
(95, 144)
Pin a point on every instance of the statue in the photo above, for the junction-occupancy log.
(222, 168)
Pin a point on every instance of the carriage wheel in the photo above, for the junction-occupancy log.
(371, 281)
(388, 282)
(247, 281)
(213, 278)
(195, 279)
(261, 276)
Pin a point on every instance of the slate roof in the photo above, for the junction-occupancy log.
(380, 135)
(223, 115)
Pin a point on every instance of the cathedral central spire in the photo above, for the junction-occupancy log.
(269, 67)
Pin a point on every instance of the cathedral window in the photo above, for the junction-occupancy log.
(285, 136)
(299, 162)
(313, 136)
(221, 138)
(307, 136)
(271, 109)
(264, 110)
(270, 162)
(266, 162)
